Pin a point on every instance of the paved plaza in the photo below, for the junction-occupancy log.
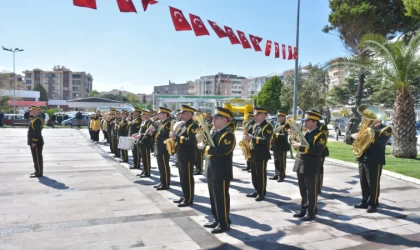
(88, 200)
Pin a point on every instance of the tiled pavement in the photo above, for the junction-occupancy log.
(87, 200)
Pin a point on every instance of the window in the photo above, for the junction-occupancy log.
(77, 76)
(28, 82)
(28, 75)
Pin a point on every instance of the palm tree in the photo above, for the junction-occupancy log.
(398, 63)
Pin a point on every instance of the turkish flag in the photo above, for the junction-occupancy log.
(277, 51)
(219, 32)
(231, 35)
(146, 3)
(255, 40)
(198, 26)
(85, 3)
(290, 57)
(268, 48)
(126, 6)
(179, 20)
(295, 53)
(244, 41)
(283, 50)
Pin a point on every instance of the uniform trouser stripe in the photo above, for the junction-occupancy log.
(377, 184)
(166, 171)
(283, 174)
(189, 182)
(316, 193)
(263, 178)
(37, 160)
(224, 202)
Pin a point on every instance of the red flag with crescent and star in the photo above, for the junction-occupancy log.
(255, 40)
(290, 57)
(219, 32)
(295, 53)
(85, 3)
(283, 50)
(277, 51)
(268, 48)
(198, 26)
(231, 35)
(146, 3)
(244, 41)
(126, 6)
(179, 20)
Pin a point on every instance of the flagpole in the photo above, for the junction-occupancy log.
(296, 64)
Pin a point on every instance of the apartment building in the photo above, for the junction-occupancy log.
(60, 83)
(187, 88)
(337, 76)
(7, 81)
(221, 84)
(255, 84)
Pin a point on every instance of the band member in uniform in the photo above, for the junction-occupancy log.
(162, 155)
(308, 165)
(198, 159)
(144, 143)
(35, 140)
(280, 146)
(109, 120)
(325, 153)
(135, 125)
(123, 128)
(186, 142)
(155, 123)
(219, 170)
(249, 127)
(260, 153)
(114, 130)
(177, 119)
(370, 166)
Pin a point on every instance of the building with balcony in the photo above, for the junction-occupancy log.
(221, 84)
(254, 84)
(60, 83)
(337, 76)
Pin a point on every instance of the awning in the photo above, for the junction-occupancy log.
(27, 103)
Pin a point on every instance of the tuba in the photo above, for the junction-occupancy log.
(369, 114)
(244, 144)
(170, 143)
(203, 134)
(296, 134)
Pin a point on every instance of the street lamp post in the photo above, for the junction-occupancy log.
(296, 64)
(14, 74)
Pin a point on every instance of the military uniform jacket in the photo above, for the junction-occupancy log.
(280, 137)
(250, 126)
(186, 141)
(375, 153)
(35, 131)
(123, 128)
(161, 135)
(324, 129)
(219, 157)
(146, 140)
(135, 126)
(310, 159)
(109, 125)
(261, 141)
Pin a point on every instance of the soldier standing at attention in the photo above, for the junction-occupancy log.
(162, 155)
(280, 146)
(308, 165)
(260, 153)
(145, 143)
(134, 131)
(249, 127)
(109, 120)
(35, 140)
(219, 170)
(123, 128)
(186, 142)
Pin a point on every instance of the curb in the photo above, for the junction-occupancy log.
(384, 172)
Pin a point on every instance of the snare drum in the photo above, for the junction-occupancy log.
(126, 143)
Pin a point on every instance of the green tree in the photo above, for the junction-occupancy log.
(412, 8)
(43, 96)
(399, 64)
(345, 93)
(94, 93)
(352, 19)
(269, 96)
(4, 106)
(313, 93)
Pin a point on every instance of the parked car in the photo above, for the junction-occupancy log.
(340, 125)
(83, 122)
(10, 118)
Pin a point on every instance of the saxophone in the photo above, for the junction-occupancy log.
(244, 144)
(203, 134)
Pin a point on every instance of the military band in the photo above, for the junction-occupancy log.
(280, 146)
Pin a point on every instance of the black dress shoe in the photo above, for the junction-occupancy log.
(211, 224)
(361, 205)
(300, 214)
(185, 204)
(246, 169)
(162, 188)
(276, 177)
(144, 176)
(371, 209)
(142, 173)
(280, 180)
(133, 167)
(158, 185)
(219, 229)
(34, 176)
(180, 200)
(259, 198)
(308, 217)
(197, 173)
(253, 195)
(249, 171)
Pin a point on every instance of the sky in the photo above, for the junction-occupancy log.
(135, 52)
